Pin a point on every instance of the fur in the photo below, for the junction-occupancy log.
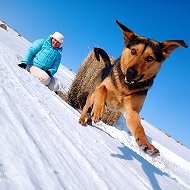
(123, 86)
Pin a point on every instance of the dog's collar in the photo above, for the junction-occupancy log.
(133, 86)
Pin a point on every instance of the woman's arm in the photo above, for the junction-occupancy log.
(32, 51)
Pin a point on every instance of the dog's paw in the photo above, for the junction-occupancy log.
(98, 114)
(89, 121)
(95, 119)
(146, 147)
(150, 150)
(153, 152)
(82, 121)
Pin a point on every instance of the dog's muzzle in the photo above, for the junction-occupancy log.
(132, 76)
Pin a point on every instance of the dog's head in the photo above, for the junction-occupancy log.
(141, 58)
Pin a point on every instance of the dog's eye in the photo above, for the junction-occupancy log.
(133, 51)
(149, 59)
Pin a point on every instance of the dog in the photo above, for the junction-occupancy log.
(123, 86)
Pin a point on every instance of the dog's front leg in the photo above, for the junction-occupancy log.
(98, 98)
(134, 124)
(99, 103)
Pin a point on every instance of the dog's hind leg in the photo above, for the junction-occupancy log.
(89, 102)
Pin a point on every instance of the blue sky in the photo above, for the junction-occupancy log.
(86, 24)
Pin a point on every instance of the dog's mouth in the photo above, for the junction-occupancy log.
(133, 81)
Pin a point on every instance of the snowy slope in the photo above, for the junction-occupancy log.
(42, 146)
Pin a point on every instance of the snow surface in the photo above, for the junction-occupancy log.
(43, 147)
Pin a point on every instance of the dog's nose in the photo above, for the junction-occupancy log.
(131, 73)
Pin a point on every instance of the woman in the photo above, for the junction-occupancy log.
(43, 59)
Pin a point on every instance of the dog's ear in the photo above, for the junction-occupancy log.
(127, 33)
(170, 45)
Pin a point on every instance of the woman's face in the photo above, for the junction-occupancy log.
(55, 43)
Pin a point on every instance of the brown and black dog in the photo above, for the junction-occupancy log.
(125, 83)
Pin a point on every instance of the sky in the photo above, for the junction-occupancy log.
(86, 24)
(43, 146)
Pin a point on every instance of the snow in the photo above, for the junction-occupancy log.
(42, 145)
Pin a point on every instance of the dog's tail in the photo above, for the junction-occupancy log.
(100, 52)
(105, 71)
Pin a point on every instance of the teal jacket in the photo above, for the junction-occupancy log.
(42, 55)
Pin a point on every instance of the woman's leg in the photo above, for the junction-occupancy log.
(53, 85)
(50, 82)
(40, 74)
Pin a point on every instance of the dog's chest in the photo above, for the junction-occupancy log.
(117, 101)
